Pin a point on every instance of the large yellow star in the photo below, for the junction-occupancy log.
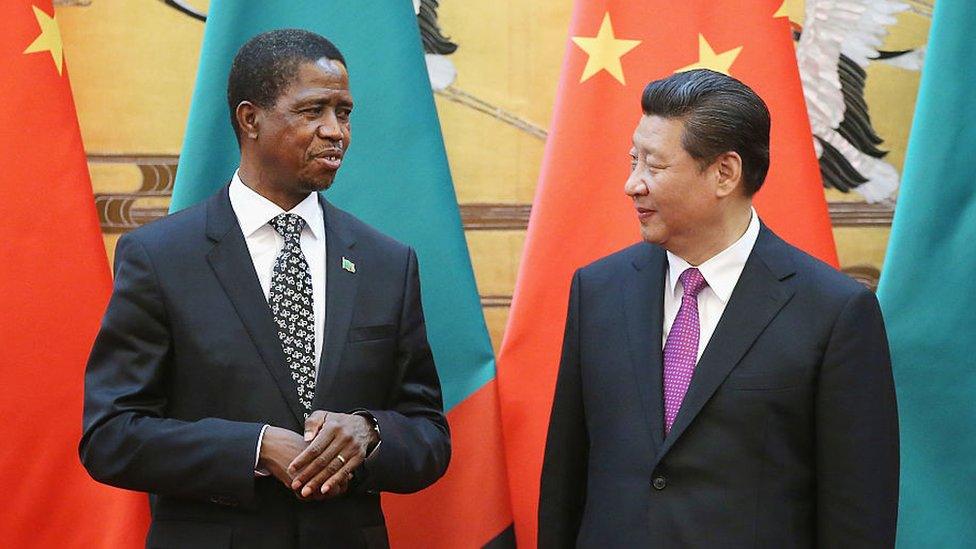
(708, 59)
(605, 51)
(50, 38)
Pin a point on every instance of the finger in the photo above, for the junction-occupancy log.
(339, 481)
(314, 423)
(326, 465)
(325, 460)
(321, 441)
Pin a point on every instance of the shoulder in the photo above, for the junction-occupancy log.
(170, 232)
(634, 256)
(366, 236)
(819, 285)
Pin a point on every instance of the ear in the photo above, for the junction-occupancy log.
(728, 173)
(248, 119)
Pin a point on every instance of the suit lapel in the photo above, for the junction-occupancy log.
(759, 295)
(231, 262)
(643, 297)
(341, 286)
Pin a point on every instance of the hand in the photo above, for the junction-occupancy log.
(318, 469)
(279, 448)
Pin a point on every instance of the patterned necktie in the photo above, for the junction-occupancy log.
(681, 347)
(291, 304)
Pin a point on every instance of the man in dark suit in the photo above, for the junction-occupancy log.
(718, 387)
(263, 369)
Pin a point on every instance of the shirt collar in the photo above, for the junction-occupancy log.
(253, 211)
(722, 270)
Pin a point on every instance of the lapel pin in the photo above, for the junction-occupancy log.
(348, 265)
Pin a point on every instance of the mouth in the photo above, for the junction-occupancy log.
(330, 159)
(644, 213)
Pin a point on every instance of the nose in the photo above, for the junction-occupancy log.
(635, 186)
(329, 128)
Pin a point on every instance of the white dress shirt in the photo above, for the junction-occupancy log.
(721, 272)
(253, 212)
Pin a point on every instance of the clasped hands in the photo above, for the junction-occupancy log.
(310, 466)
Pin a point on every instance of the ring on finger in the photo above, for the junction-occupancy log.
(340, 458)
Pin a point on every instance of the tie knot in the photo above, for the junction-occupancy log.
(692, 281)
(288, 225)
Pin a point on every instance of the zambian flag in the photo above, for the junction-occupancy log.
(395, 178)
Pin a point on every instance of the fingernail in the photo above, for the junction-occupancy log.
(295, 484)
(325, 488)
(308, 436)
(306, 491)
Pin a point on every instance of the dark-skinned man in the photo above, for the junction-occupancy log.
(718, 387)
(263, 369)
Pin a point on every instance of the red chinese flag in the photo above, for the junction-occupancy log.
(580, 211)
(54, 285)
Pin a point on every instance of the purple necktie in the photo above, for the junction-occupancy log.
(681, 347)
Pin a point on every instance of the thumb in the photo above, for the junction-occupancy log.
(313, 424)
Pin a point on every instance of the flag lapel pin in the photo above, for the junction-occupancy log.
(348, 265)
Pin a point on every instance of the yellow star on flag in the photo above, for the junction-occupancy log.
(708, 59)
(793, 9)
(50, 38)
(605, 51)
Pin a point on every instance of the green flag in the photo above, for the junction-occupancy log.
(928, 294)
(396, 178)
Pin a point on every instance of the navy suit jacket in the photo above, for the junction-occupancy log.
(787, 436)
(187, 368)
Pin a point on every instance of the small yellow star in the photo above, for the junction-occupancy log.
(50, 38)
(793, 9)
(604, 51)
(708, 59)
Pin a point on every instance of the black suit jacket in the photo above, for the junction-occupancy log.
(187, 368)
(787, 436)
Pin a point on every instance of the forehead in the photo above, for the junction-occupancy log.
(659, 134)
(323, 77)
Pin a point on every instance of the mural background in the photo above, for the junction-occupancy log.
(133, 65)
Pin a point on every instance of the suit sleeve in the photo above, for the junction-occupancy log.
(563, 489)
(416, 442)
(857, 432)
(127, 441)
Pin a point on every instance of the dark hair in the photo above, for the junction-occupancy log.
(269, 62)
(720, 114)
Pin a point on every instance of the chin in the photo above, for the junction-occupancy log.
(651, 235)
(318, 185)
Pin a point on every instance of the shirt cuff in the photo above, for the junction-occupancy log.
(257, 456)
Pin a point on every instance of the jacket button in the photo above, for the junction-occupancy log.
(659, 483)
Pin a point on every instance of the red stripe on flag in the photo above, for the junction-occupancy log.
(470, 505)
(54, 284)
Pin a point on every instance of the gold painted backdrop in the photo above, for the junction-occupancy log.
(133, 64)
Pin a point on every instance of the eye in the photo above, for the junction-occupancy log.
(633, 162)
(312, 112)
(343, 113)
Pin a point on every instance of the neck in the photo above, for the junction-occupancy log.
(262, 183)
(712, 242)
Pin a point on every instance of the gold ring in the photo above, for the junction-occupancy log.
(342, 459)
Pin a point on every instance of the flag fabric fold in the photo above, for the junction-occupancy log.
(580, 212)
(927, 294)
(396, 178)
(54, 285)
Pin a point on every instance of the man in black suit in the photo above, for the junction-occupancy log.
(263, 369)
(718, 387)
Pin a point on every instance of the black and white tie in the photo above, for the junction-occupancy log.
(291, 304)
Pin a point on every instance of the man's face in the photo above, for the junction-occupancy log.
(302, 138)
(675, 200)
